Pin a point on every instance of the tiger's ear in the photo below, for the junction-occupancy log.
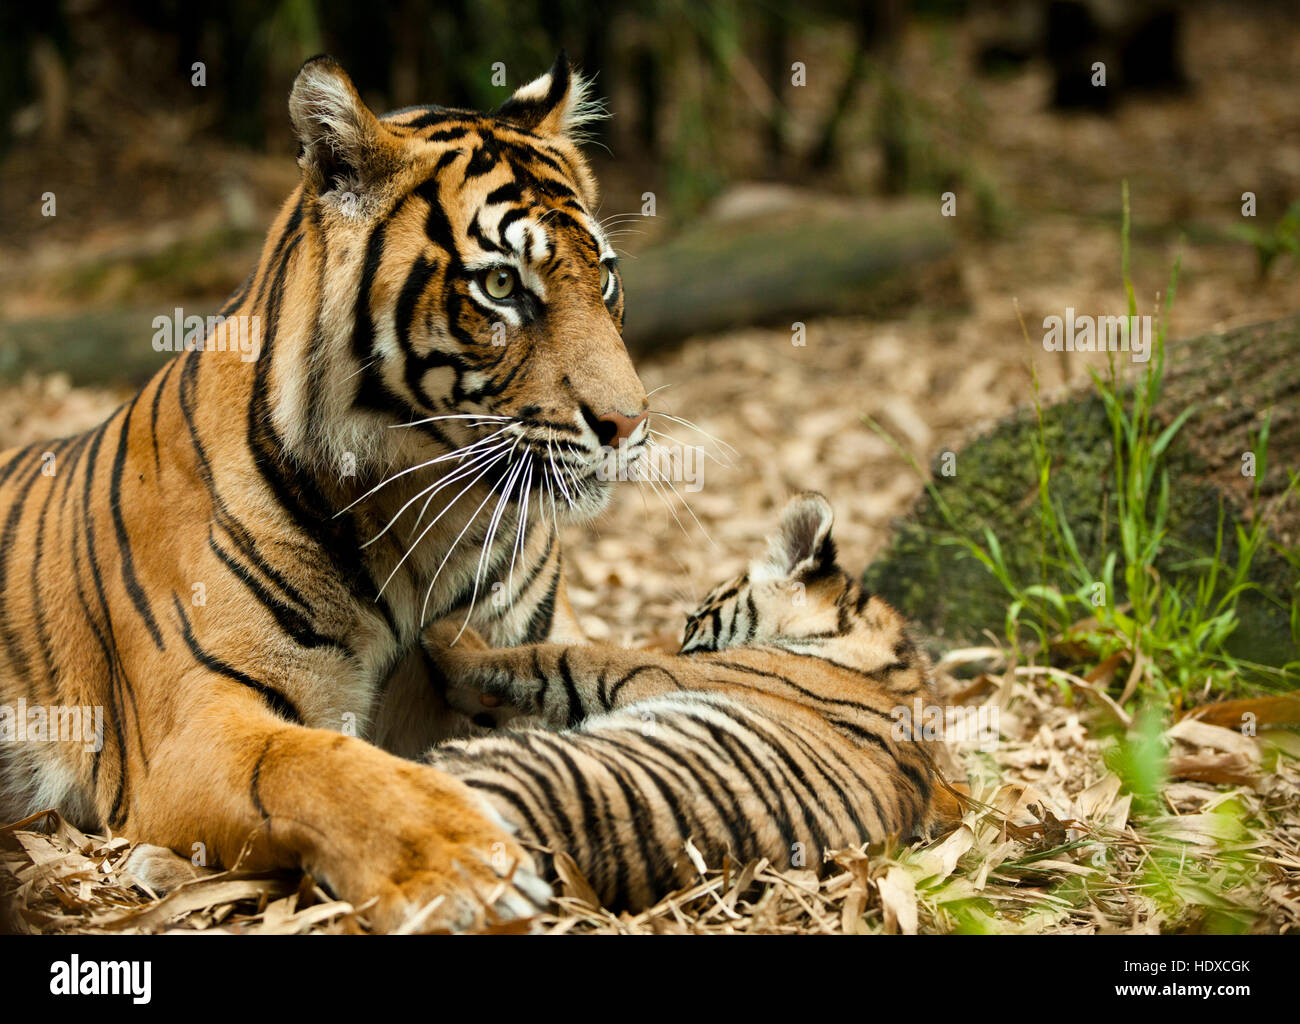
(801, 545)
(557, 103)
(340, 137)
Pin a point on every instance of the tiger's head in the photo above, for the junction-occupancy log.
(796, 597)
(465, 290)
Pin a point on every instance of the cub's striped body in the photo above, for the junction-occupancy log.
(773, 733)
(440, 318)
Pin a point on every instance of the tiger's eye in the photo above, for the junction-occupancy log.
(604, 279)
(499, 283)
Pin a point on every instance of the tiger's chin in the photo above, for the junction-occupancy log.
(586, 500)
(586, 492)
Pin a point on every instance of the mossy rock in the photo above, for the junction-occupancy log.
(1233, 379)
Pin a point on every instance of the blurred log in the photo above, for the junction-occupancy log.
(773, 256)
(1232, 379)
(94, 349)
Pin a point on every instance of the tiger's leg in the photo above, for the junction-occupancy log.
(560, 683)
(237, 779)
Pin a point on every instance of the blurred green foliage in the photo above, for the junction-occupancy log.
(1272, 242)
(703, 88)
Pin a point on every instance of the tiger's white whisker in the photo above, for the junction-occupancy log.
(475, 461)
(521, 532)
(550, 487)
(459, 473)
(698, 429)
(459, 453)
(449, 416)
(703, 451)
(654, 485)
(361, 369)
(559, 478)
(424, 609)
(488, 539)
(446, 508)
(687, 505)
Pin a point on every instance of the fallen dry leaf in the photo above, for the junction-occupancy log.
(1197, 733)
(1219, 768)
(898, 900)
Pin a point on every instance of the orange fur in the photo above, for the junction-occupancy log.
(195, 566)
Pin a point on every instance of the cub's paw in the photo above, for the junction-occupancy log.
(160, 869)
(472, 683)
(484, 693)
(451, 641)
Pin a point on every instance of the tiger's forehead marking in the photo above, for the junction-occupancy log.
(527, 239)
(504, 194)
(510, 208)
(489, 141)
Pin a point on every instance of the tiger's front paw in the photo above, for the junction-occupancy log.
(437, 857)
(450, 641)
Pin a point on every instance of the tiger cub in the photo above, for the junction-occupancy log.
(772, 733)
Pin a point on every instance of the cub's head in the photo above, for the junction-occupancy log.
(465, 285)
(796, 597)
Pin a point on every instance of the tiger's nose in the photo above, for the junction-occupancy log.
(613, 427)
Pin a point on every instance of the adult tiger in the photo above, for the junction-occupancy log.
(197, 565)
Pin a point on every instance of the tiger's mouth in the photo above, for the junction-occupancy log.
(570, 472)
(541, 483)
(548, 467)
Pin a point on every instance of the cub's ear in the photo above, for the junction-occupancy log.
(801, 545)
(558, 103)
(341, 139)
